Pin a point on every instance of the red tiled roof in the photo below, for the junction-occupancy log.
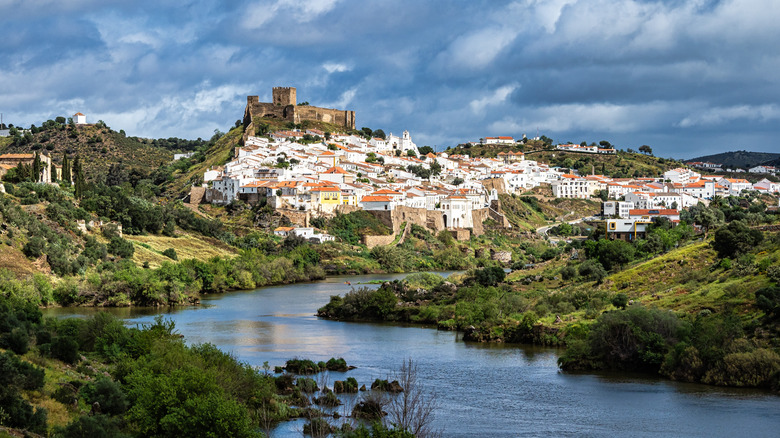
(370, 198)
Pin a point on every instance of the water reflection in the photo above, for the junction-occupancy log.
(484, 389)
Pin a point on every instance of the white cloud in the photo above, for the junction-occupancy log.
(332, 67)
(478, 49)
(498, 96)
(723, 115)
(608, 118)
(301, 11)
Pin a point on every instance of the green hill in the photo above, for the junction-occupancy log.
(98, 146)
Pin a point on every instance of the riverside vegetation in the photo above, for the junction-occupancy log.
(97, 378)
(692, 308)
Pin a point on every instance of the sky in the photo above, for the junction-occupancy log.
(686, 77)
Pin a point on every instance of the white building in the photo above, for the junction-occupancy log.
(735, 186)
(402, 144)
(457, 212)
(79, 119)
(681, 176)
(616, 208)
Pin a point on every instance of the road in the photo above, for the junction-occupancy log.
(542, 231)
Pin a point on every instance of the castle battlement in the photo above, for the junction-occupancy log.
(284, 105)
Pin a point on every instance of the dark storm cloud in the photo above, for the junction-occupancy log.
(679, 75)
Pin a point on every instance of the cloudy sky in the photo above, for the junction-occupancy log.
(687, 77)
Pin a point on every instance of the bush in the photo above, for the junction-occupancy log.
(620, 300)
(170, 253)
(736, 238)
(97, 426)
(108, 394)
(65, 349)
(592, 270)
(121, 247)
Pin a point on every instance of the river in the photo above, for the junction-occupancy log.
(483, 390)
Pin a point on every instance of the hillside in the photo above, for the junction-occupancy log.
(740, 159)
(620, 165)
(98, 146)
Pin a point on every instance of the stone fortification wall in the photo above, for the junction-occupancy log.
(433, 220)
(495, 183)
(372, 241)
(497, 214)
(477, 216)
(212, 195)
(197, 194)
(296, 217)
(285, 107)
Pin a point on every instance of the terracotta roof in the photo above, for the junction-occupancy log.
(16, 156)
(284, 228)
(386, 192)
(78, 114)
(371, 198)
(325, 189)
(336, 169)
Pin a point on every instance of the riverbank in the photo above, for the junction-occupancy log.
(484, 389)
(712, 348)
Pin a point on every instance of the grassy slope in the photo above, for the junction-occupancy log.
(217, 155)
(685, 279)
(149, 248)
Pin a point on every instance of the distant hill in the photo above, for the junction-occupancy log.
(620, 165)
(741, 159)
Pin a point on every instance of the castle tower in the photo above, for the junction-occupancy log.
(284, 96)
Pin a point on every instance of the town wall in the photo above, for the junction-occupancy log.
(372, 241)
(495, 183)
(197, 194)
(394, 218)
(477, 217)
(296, 217)
(213, 195)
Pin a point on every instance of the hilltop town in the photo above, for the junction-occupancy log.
(309, 173)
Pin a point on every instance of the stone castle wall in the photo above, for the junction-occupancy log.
(285, 107)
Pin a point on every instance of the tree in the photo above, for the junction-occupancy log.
(66, 176)
(380, 134)
(457, 181)
(37, 168)
(425, 150)
(78, 176)
(413, 409)
(605, 144)
(645, 149)
(117, 175)
(367, 132)
(736, 238)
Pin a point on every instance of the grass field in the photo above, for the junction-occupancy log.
(187, 246)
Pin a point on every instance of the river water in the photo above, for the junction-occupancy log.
(483, 390)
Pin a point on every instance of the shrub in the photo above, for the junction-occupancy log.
(65, 348)
(121, 247)
(592, 270)
(108, 394)
(736, 238)
(620, 300)
(170, 253)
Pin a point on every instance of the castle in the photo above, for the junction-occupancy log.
(284, 106)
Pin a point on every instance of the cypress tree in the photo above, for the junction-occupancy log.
(66, 178)
(78, 177)
(36, 168)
